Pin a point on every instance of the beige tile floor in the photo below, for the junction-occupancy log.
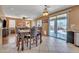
(49, 45)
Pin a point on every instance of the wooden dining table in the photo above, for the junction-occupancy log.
(23, 33)
(27, 32)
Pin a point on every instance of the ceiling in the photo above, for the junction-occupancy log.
(30, 11)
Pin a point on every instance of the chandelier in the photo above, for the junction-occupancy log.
(45, 12)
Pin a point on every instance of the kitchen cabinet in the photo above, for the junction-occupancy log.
(76, 38)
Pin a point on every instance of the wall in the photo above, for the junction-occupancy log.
(23, 23)
(20, 22)
(74, 19)
(1, 14)
(45, 26)
(33, 23)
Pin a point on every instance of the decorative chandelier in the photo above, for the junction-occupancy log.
(45, 12)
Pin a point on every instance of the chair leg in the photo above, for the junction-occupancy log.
(18, 48)
(30, 43)
(22, 45)
(36, 41)
(27, 42)
(17, 41)
(33, 40)
(18, 44)
(40, 39)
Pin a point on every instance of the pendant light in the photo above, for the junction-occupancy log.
(45, 12)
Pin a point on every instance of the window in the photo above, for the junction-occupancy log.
(39, 23)
(12, 23)
(58, 26)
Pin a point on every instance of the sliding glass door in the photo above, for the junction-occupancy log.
(0, 29)
(58, 26)
(62, 26)
(52, 24)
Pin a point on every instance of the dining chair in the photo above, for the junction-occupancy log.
(31, 36)
(34, 35)
(20, 40)
(27, 37)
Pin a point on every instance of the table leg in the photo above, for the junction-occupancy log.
(22, 47)
(36, 40)
(27, 42)
(30, 43)
(40, 38)
(18, 44)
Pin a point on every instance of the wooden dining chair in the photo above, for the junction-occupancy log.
(34, 35)
(20, 40)
(31, 37)
(27, 37)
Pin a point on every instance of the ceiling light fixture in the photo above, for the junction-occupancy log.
(23, 17)
(45, 12)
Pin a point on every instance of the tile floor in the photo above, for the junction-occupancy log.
(49, 45)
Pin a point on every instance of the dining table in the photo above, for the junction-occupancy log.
(22, 34)
(27, 32)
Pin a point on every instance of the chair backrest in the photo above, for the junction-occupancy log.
(33, 31)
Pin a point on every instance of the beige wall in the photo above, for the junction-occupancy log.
(23, 23)
(20, 22)
(33, 23)
(45, 29)
(74, 18)
(45, 26)
(1, 14)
